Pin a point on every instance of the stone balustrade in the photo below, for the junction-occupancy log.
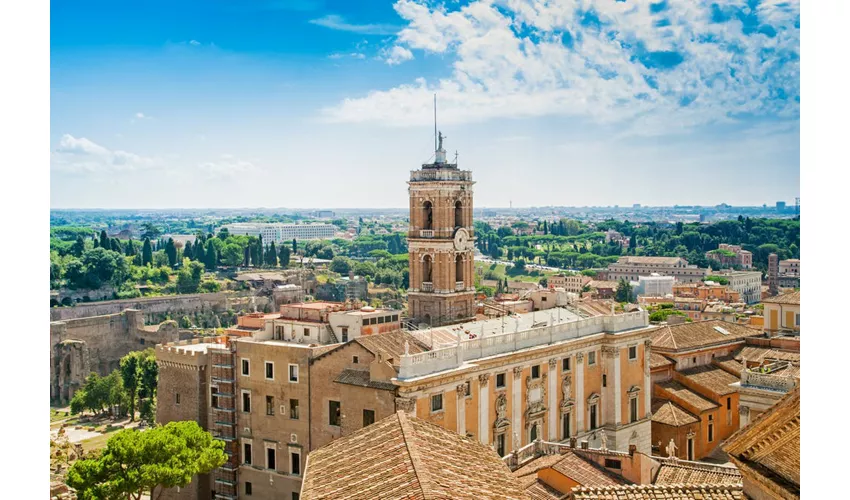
(447, 358)
(427, 286)
(769, 381)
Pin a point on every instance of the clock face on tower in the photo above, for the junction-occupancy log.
(461, 238)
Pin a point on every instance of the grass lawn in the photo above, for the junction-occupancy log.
(501, 272)
(97, 442)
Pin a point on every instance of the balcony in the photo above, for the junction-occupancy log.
(459, 286)
(427, 286)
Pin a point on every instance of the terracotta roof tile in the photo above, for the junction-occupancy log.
(768, 450)
(729, 364)
(392, 343)
(669, 413)
(686, 336)
(713, 378)
(660, 492)
(405, 457)
(657, 360)
(758, 354)
(538, 490)
(673, 388)
(786, 298)
(692, 474)
(362, 378)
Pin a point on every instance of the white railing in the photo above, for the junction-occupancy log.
(426, 233)
(447, 358)
(768, 381)
(459, 286)
(427, 286)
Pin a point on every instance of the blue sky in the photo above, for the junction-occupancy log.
(311, 103)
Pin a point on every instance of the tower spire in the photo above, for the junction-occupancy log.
(435, 122)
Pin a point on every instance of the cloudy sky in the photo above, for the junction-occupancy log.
(312, 103)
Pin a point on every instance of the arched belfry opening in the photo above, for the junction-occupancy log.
(458, 214)
(427, 264)
(427, 215)
(459, 268)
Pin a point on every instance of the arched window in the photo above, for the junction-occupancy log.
(459, 268)
(458, 214)
(426, 268)
(428, 215)
(532, 435)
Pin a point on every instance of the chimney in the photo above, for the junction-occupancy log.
(632, 450)
(572, 442)
(584, 445)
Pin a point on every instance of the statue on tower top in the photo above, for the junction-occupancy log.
(440, 138)
(440, 154)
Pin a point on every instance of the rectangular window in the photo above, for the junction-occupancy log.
(381, 320)
(366, 322)
(592, 417)
(633, 352)
(565, 426)
(247, 455)
(613, 464)
(368, 417)
(373, 321)
(728, 403)
(248, 489)
(565, 364)
(535, 371)
(710, 432)
(436, 402)
(797, 320)
(633, 410)
(500, 444)
(345, 334)
(395, 317)
(246, 367)
(333, 413)
(271, 455)
(246, 401)
(269, 370)
(177, 398)
(269, 405)
(604, 380)
(500, 380)
(293, 409)
(355, 359)
(214, 396)
(293, 373)
(591, 358)
(296, 496)
(295, 459)
(306, 332)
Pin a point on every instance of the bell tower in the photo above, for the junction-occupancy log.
(441, 243)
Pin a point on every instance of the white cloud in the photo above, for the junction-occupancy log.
(80, 155)
(194, 42)
(396, 55)
(227, 166)
(354, 55)
(522, 58)
(335, 22)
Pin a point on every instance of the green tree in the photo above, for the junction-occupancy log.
(519, 266)
(271, 255)
(171, 252)
(340, 264)
(79, 246)
(231, 254)
(104, 240)
(189, 251)
(189, 276)
(135, 463)
(211, 258)
(224, 234)
(284, 256)
(147, 253)
(294, 245)
(130, 375)
(624, 291)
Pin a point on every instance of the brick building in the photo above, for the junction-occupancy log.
(731, 256)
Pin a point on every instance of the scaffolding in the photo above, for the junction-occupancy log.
(223, 427)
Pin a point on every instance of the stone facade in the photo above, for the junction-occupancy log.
(96, 344)
(441, 244)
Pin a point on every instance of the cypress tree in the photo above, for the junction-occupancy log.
(295, 245)
(188, 253)
(104, 240)
(147, 253)
(212, 256)
(284, 256)
(171, 252)
(79, 246)
(129, 250)
(271, 255)
(200, 254)
(115, 245)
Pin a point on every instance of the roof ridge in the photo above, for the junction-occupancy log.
(419, 469)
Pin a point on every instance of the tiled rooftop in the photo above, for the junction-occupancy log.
(688, 396)
(404, 457)
(787, 298)
(669, 413)
(730, 364)
(660, 492)
(768, 450)
(713, 378)
(657, 360)
(569, 464)
(686, 336)
(758, 354)
(362, 378)
(685, 473)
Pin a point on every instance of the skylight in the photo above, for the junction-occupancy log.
(721, 330)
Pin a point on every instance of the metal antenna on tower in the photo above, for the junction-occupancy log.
(435, 122)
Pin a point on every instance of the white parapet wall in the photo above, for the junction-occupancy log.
(447, 358)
